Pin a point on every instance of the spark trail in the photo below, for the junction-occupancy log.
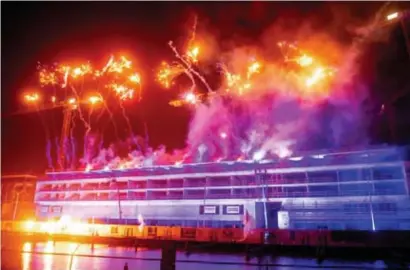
(188, 66)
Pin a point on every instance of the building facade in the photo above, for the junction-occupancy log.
(17, 196)
(355, 190)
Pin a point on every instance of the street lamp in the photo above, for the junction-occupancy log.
(17, 191)
(401, 16)
(391, 18)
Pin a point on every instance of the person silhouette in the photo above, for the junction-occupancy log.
(126, 266)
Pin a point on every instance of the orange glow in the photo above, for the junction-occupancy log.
(122, 92)
(304, 60)
(32, 98)
(117, 66)
(141, 222)
(188, 98)
(95, 100)
(65, 225)
(192, 54)
(71, 101)
(29, 225)
(47, 78)
(241, 84)
(135, 78)
(167, 74)
(392, 16)
(176, 103)
(253, 68)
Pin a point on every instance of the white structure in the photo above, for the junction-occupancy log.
(363, 190)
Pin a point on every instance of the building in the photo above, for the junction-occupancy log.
(358, 190)
(17, 196)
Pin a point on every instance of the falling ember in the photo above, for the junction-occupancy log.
(73, 103)
(66, 71)
(190, 98)
(47, 78)
(135, 78)
(117, 66)
(318, 75)
(253, 69)
(107, 66)
(238, 84)
(81, 71)
(192, 54)
(167, 73)
(95, 99)
(305, 60)
(122, 91)
(176, 103)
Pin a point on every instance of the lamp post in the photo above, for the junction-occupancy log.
(391, 18)
(401, 16)
(17, 191)
(119, 199)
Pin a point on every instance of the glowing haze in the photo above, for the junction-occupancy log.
(286, 96)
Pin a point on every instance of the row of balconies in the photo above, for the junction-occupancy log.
(199, 194)
(180, 183)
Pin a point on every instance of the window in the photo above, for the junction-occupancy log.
(296, 191)
(356, 189)
(357, 207)
(385, 188)
(322, 177)
(325, 190)
(365, 174)
(348, 175)
(385, 207)
(388, 173)
(294, 178)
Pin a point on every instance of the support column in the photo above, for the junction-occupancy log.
(168, 256)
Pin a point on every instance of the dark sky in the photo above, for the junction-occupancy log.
(52, 31)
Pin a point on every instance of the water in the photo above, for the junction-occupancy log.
(104, 257)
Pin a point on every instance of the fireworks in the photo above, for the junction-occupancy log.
(117, 75)
(263, 107)
(95, 100)
(32, 98)
(192, 54)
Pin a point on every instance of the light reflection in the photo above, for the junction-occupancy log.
(73, 260)
(26, 255)
(48, 257)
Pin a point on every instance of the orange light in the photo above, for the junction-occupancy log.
(94, 100)
(305, 60)
(190, 98)
(31, 98)
(135, 78)
(71, 101)
(193, 54)
(392, 16)
(29, 225)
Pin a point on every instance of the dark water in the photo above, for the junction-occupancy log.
(86, 259)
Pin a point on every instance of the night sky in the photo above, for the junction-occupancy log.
(54, 31)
